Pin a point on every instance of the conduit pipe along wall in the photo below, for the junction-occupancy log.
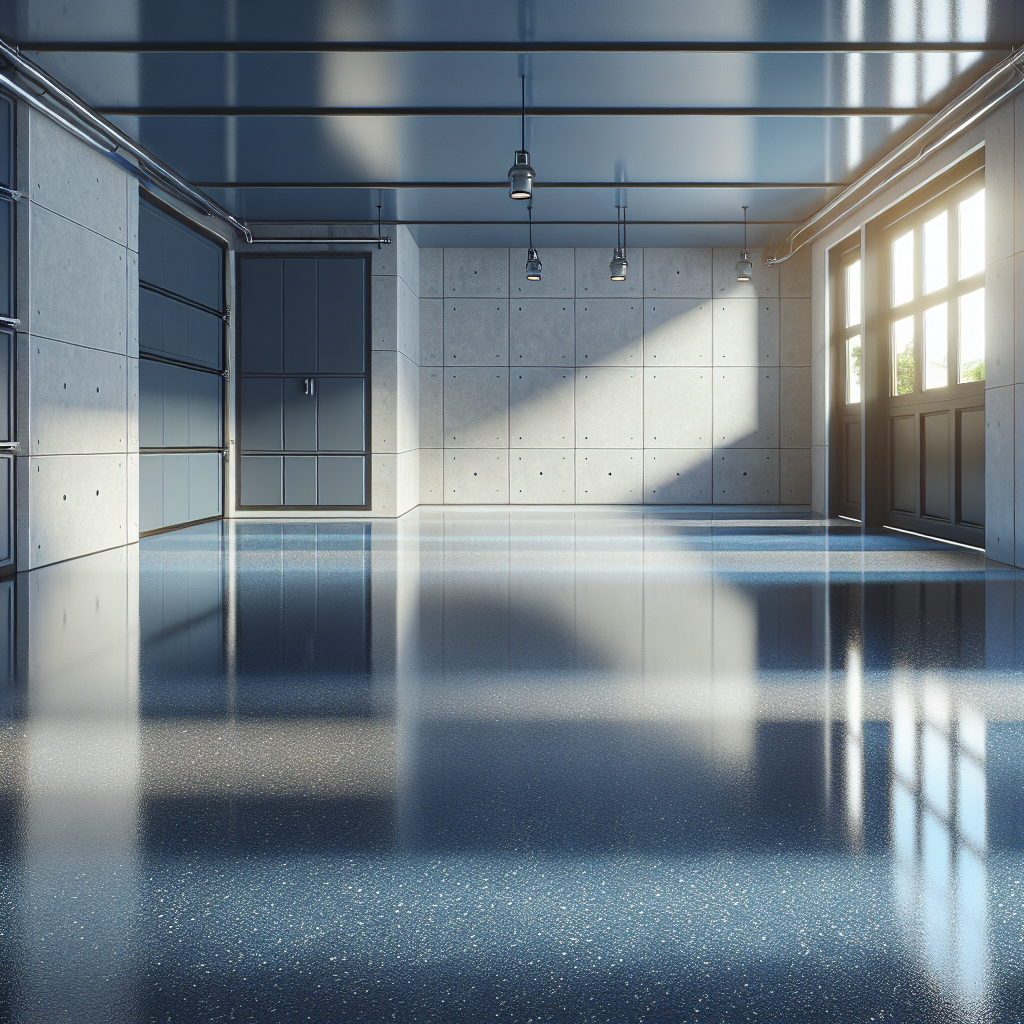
(949, 122)
(150, 170)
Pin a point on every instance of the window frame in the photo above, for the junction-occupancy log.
(944, 194)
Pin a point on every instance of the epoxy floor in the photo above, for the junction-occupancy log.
(529, 765)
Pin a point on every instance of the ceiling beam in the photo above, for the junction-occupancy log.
(437, 185)
(394, 111)
(513, 47)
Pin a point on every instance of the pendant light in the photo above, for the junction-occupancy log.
(744, 268)
(533, 264)
(619, 264)
(521, 174)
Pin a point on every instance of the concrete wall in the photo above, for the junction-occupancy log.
(1004, 333)
(679, 385)
(78, 346)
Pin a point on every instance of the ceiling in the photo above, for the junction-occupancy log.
(317, 110)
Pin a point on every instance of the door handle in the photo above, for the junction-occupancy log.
(309, 386)
(10, 446)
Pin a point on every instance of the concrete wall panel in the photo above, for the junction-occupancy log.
(999, 324)
(542, 477)
(77, 400)
(999, 185)
(77, 285)
(677, 273)
(541, 407)
(384, 313)
(408, 322)
(609, 408)
(476, 332)
(795, 275)
(558, 279)
(609, 477)
(73, 505)
(542, 332)
(677, 476)
(746, 332)
(677, 332)
(746, 407)
(677, 407)
(795, 406)
(593, 280)
(999, 474)
(609, 332)
(384, 402)
(763, 283)
(795, 332)
(746, 477)
(476, 407)
(431, 273)
(476, 476)
(431, 476)
(795, 476)
(408, 411)
(481, 273)
(74, 181)
(431, 407)
(431, 332)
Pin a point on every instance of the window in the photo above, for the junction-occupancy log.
(851, 324)
(936, 292)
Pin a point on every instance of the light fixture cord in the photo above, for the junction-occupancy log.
(529, 210)
(618, 231)
(522, 78)
(745, 208)
(623, 228)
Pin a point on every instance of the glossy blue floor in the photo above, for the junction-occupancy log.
(529, 765)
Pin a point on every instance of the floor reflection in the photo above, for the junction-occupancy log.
(479, 764)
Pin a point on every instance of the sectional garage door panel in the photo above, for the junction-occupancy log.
(181, 388)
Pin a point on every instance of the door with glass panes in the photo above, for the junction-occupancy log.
(932, 321)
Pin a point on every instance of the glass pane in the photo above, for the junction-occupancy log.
(972, 235)
(903, 269)
(853, 370)
(936, 347)
(903, 356)
(936, 253)
(972, 336)
(853, 294)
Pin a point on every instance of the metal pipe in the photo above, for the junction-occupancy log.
(380, 240)
(434, 185)
(515, 47)
(34, 101)
(480, 111)
(917, 139)
(85, 113)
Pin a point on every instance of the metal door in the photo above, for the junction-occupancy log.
(303, 336)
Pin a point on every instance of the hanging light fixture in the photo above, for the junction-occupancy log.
(619, 264)
(744, 268)
(533, 264)
(521, 174)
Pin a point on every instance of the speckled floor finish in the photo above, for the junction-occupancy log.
(543, 765)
